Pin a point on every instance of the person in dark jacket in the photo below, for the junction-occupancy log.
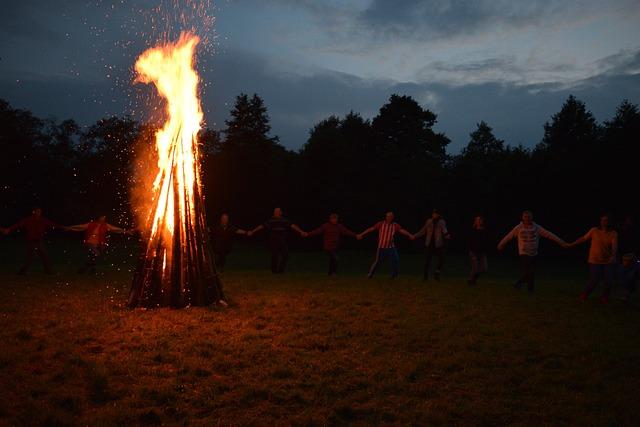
(35, 227)
(223, 235)
(478, 247)
(278, 228)
(331, 232)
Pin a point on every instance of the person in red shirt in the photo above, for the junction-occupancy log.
(35, 227)
(331, 232)
(95, 240)
(387, 230)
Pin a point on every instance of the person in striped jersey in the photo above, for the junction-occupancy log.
(387, 230)
(528, 234)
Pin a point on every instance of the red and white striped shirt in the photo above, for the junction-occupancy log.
(386, 233)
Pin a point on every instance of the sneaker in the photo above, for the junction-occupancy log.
(583, 296)
(223, 303)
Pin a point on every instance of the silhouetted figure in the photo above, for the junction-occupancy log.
(35, 227)
(278, 228)
(528, 234)
(387, 230)
(331, 232)
(628, 237)
(95, 240)
(629, 275)
(602, 258)
(478, 248)
(222, 237)
(436, 231)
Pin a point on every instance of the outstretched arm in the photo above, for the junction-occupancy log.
(115, 229)
(581, 240)
(298, 230)
(345, 231)
(421, 232)
(318, 231)
(255, 230)
(549, 235)
(79, 227)
(506, 239)
(15, 226)
(367, 231)
(241, 231)
(406, 233)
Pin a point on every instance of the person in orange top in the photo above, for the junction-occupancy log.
(95, 239)
(602, 257)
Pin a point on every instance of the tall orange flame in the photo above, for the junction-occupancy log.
(178, 265)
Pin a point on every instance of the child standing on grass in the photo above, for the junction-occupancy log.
(387, 230)
(602, 258)
(528, 234)
(478, 248)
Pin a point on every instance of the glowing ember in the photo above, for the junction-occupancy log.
(177, 268)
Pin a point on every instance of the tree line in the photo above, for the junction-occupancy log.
(357, 167)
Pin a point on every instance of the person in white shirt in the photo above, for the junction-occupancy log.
(528, 234)
(435, 230)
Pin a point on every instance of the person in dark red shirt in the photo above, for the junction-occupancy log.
(95, 240)
(331, 232)
(35, 227)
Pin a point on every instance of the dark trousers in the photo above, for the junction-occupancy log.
(32, 249)
(528, 272)
(597, 273)
(428, 256)
(220, 260)
(478, 264)
(279, 256)
(333, 261)
(93, 252)
(381, 255)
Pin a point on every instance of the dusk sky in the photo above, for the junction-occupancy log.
(510, 63)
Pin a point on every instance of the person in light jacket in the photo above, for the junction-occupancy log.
(435, 230)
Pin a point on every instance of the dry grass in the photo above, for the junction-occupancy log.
(301, 349)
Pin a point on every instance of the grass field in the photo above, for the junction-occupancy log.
(303, 349)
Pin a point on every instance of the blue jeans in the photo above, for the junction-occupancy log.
(598, 272)
(383, 253)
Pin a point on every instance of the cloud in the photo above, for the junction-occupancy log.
(438, 19)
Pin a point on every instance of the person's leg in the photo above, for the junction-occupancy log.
(608, 273)
(93, 252)
(395, 261)
(440, 255)
(523, 271)
(531, 273)
(473, 257)
(428, 254)
(595, 271)
(376, 262)
(275, 255)
(31, 248)
(333, 262)
(284, 257)
(42, 253)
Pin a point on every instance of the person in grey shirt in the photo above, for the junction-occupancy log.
(435, 230)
